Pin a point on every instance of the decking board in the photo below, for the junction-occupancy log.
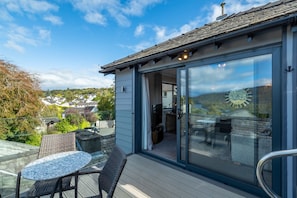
(145, 178)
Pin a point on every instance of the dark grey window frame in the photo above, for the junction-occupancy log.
(277, 138)
(277, 77)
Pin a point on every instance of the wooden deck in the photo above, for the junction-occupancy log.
(143, 177)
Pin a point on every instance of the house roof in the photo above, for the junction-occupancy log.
(82, 110)
(50, 120)
(275, 13)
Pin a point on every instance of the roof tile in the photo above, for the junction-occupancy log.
(253, 16)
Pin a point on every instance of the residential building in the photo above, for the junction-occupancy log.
(83, 111)
(235, 99)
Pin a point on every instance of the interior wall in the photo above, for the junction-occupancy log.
(155, 86)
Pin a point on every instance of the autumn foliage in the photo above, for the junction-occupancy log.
(20, 103)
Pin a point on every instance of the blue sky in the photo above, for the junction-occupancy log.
(231, 75)
(65, 42)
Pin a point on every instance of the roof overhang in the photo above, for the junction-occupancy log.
(173, 52)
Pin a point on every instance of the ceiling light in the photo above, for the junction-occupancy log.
(184, 56)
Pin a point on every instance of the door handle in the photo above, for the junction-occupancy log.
(179, 113)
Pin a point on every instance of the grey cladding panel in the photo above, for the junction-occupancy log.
(124, 131)
(124, 94)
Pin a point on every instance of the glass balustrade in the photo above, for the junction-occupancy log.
(15, 155)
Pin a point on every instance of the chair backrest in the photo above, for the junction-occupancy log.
(112, 171)
(55, 143)
(224, 126)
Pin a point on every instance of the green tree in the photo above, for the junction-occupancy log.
(52, 111)
(106, 104)
(34, 139)
(92, 117)
(72, 122)
(69, 95)
(84, 124)
(75, 119)
(64, 126)
(19, 103)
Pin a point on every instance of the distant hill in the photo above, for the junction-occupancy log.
(85, 91)
(261, 94)
(216, 102)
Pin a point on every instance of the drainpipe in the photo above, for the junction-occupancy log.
(290, 114)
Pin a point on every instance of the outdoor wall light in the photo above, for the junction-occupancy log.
(184, 56)
(218, 45)
(250, 37)
(123, 89)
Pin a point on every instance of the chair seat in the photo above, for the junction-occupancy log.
(48, 186)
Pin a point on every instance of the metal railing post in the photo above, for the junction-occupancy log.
(263, 161)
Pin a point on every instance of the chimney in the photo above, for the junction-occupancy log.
(222, 5)
(223, 14)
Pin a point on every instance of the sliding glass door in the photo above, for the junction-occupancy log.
(231, 112)
(225, 116)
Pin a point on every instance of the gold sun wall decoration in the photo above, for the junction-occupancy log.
(238, 98)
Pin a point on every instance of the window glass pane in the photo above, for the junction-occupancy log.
(181, 112)
(230, 111)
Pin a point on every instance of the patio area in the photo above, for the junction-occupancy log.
(144, 177)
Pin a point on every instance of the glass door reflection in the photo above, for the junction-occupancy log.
(230, 112)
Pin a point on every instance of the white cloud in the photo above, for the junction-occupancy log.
(4, 15)
(59, 79)
(37, 6)
(20, 34)
(138, 47)
(139, 30)
(163, 33)
(160, 33)
(28, 8)
(93, 10)
(53, 19)
(137, 7)
(141, 46)
(12, 6)
(32, 6)
(114, 8)
(219, 84)
(121, 18)
(19, 37)
(13, 45)
(44, 34)
(232, 6)
(95, 17)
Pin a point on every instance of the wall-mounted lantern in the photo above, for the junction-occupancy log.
(184, 56)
